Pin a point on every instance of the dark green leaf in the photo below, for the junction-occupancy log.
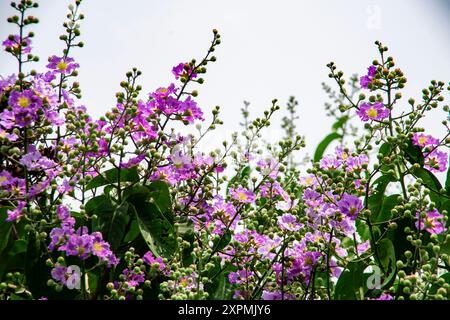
(386, 253)
(340, 123)
(376, 199)
(350, 282)
(323, 145)
(20, 246)
(431, 182)
(161, 194)
(414, 154)
(389, 203)
(5, 228)
(156, 230)
(112, 176)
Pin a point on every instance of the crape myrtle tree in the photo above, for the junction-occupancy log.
(130, 206)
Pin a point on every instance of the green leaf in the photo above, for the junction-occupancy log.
(376, 199)
(389, 203)
(98, 204)
(112, 223)
(431, 182)
(414, 154)
(243, 174)
(156, 230)
(385, 149)
(350, 283)
(386, 253)
(340, 123)
(20, 246)
(112, 176)
(5, 228)
(434, 288)
(161, 194)
(398, 236)
(246, 172)
(36, 272)
(223, 241)
(323, 145)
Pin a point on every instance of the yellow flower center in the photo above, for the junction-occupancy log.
(97, 247)
(372, 112)
(23, 102)
(422, 140)
(242, 196)
(184, 282)
(62, 65)
(309, 180)
(3, 179)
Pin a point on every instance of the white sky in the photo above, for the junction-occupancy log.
(270, 49)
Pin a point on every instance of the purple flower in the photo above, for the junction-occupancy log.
(14, 215)
(365, 80)
(376, 111)
(33, 160)
(16, 46)
(183, 70)
(59, 273)
(269, 167)
(189, 110)
(356, 163)
(329, 163)
(133, 161)
(59, 236)
(24, 100)
(384, 296)
(78, 244)
(363, 247)
(277, 295)
(132, 278)
(436, 161)
(24, 109)
(6, 179)
(242, 195)
(100, 248)
(239, 277)
(62, 65)
(151, 260)
(433, 222)
(223, 213)
(350, 206)
(289, 222)
(422, 140)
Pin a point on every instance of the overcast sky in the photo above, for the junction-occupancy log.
(270, 49)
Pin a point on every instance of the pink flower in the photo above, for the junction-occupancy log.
(350, 206)
(365, 80)
(14, 215)
(422, 140)
(242, 195)
(431, 223)
(376, 111)
(289, 222)
(62, 65)
(16, 46)
(150, 260)
(384, 296)
(329, 163)
(183, 70)
(436, 161)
